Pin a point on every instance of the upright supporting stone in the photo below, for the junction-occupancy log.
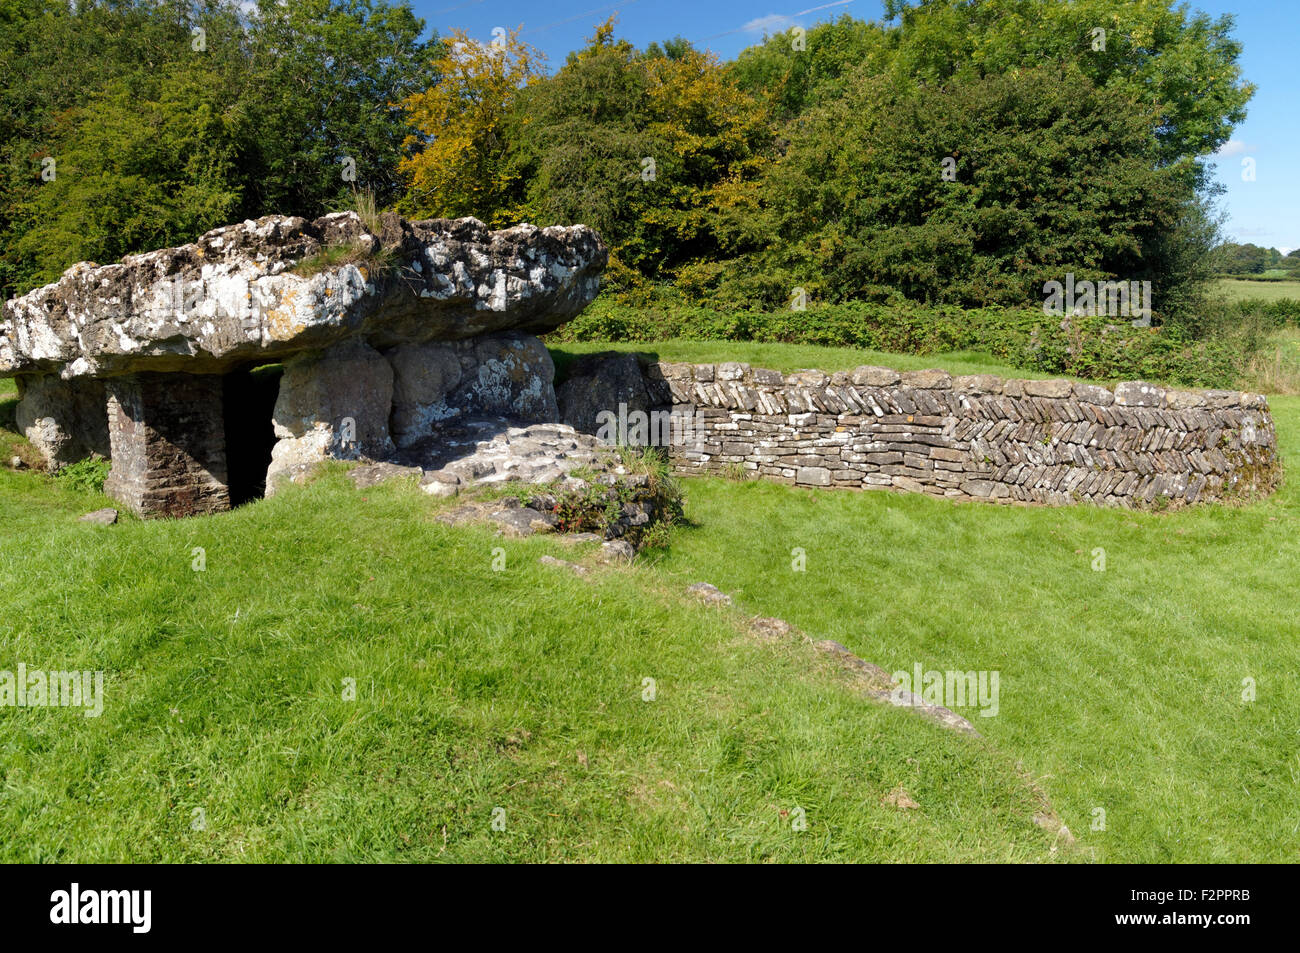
(63, 420)
(169, 444)
(331, 406)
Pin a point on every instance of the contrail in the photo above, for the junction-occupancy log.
(578, 16)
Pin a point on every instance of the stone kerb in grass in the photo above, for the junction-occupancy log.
(971, 437)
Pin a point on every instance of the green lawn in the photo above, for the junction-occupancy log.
(522, 689)
(476, 689)
(791, 357)
(1121, 689)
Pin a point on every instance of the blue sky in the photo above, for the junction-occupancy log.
(1265, 211)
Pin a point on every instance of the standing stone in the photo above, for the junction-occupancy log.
(168, 444)
(502, 375)
(331, 406)
(511, 375)
(424, 375)
(65, 421)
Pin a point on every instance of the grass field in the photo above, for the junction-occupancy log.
(1235, 289)
(522, 689)
(1121, 688)
(789, 357)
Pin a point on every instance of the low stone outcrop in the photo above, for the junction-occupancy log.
(614, 506)
(385, 333)
(470, 452)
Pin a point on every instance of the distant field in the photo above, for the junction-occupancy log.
(1239, 290)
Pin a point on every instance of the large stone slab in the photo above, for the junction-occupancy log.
(264, 290)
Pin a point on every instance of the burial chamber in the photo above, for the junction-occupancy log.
(212, 372)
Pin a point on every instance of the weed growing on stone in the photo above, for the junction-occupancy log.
(88, 475)
(360, 252)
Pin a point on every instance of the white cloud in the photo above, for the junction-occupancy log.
(1233, 147)
(772, 23)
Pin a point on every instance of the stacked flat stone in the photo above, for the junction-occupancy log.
(977, 436)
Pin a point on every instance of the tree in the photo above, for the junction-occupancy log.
(791, 74)
(1181, 67)
(1245, 259)
(325, 79)
(460, 161)
(634, 143)
(164, 118)
(973, 193)
(54, 57)
(137, 168)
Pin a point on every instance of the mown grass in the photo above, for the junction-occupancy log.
(1121, 690)
(476, 689)
(789, 357)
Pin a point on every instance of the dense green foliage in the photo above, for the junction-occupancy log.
(1093, 347)
(1051, 175)
(957, 153)
(135, 124)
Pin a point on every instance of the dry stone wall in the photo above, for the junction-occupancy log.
(983, 437)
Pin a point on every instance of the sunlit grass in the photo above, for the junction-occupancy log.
(226, 734)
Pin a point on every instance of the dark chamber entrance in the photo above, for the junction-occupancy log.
(248, 402)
